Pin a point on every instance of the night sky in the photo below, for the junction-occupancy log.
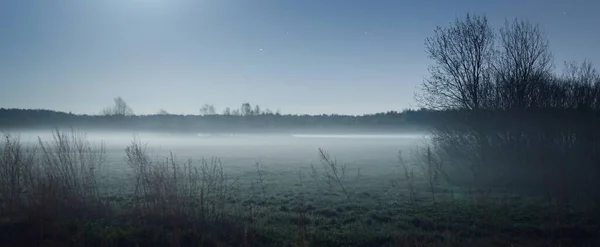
(299, 56)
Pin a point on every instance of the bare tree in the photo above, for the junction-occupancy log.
(461, 74)
(162, 112)
(524, 64)
(257, 110)
(584, 82)
(227, 111)
(246, 109)
(207, 110)
(120, 108)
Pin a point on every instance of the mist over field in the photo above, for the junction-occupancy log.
(376, 153)
(192, 140)
(279, 151)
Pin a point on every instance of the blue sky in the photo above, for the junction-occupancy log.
(300, 56)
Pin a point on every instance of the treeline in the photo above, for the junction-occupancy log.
(516, 122)
(408, 120)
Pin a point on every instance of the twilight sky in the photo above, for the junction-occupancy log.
(300, 56)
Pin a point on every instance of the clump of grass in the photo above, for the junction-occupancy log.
(302, 214)
(48, 182)
(331, 173)
(357, 173)
(431, 168)
(343, 167)
(136, 156)
(168, 189)
(261, 179)
(16, 167)
(409, 178)
(314, 174)
(65, 180)
(332, 176)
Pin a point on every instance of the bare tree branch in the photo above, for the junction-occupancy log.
(462, 55)
(524, 62)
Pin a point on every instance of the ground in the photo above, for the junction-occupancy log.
(281, 195)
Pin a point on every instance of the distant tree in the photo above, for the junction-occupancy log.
(268, 112)
(461, 73)
(236, 112)
(162, 112)
(208, 110)
(246, 109)
(227, 111)
(120, 108)
(257, 110)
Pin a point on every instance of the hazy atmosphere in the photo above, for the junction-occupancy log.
(299, 123)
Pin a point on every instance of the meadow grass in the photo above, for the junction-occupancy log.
(51, 195)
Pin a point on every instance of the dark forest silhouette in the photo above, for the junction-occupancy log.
(231, 122)
(517, 124)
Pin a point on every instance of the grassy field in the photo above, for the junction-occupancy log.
(72, 193)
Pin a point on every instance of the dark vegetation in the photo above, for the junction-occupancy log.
(516, 124)
(409, 120)
(513, 162)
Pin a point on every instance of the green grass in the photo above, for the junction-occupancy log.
(278, 220)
